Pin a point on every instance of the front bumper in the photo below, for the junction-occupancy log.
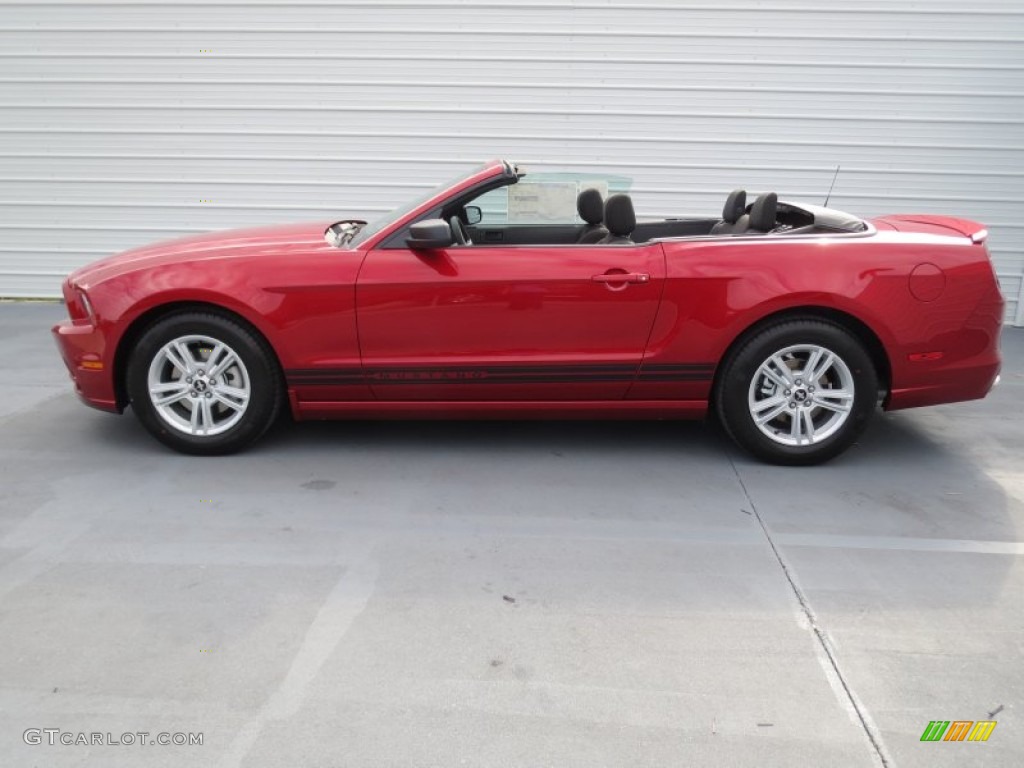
(83, 348)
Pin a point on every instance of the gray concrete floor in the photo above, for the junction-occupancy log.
(510, 594)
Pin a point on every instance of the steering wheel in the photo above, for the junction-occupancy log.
(459, 231)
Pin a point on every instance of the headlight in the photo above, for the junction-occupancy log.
(86, 305)
(79, 306)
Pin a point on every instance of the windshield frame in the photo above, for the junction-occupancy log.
(379, 230)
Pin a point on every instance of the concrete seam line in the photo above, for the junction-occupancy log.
(874, 737)
(340, 609)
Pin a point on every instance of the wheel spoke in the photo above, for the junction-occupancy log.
(837, 400)
(239, 395)
(783, 376)
(836, 394)
(812, 361)
(762, 405)
(217, 364)
(168, 386)
(776, 379)
(194, 418)
(179, 356)
(767, 409)
(234, 404)
(207, 414)
(843, 395)
(784, 369)
(202, 416)
(805, 416)
(774, 413)
(796, 423)
(168, 392)
(171, 399)
(821, 365)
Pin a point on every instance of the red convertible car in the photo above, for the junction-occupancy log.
(488, 298)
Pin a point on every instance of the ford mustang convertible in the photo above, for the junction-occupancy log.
(502, 295)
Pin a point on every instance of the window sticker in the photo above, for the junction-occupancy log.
(542, 202)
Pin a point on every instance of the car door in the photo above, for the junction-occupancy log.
(476, 322)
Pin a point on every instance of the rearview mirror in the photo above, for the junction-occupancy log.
(429, 233)
(473, 214)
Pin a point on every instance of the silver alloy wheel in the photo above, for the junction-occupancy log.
(801, 395)
(199, 385)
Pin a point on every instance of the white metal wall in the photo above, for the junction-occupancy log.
(128, 121)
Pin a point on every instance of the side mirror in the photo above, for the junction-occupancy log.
(429, 233)
(473, 214)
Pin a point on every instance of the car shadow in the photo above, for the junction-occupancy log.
(908, 478)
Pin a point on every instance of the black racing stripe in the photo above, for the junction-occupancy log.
(327, 376)
(501, 374)
(676, 372)
(446, 377)
(441, 380)
(324, 372)
(354, 377)
(701, 368)
(677, 377)
(497, 380)
(539, 370)
(510, 369)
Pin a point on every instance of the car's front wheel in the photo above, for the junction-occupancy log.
(798, 392)
(203, 383)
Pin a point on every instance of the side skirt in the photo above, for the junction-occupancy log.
(499, 409)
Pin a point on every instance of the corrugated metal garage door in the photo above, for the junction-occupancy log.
(126, 122)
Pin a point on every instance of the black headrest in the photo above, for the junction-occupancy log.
(619, 216)
(762, 212)
(735, 205)
(590, 206)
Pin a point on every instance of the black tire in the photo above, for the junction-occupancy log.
(265, 390)
(741, 373)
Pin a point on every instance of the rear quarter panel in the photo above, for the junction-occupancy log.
(717, 289)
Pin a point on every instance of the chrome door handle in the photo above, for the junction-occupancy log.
(622, 277)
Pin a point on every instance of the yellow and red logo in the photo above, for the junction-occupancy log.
(958, 730)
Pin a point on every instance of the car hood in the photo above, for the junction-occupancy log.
(249, 242)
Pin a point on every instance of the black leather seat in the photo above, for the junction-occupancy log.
(735, 207)
(620, 219)
(590, 206)
(762, 215)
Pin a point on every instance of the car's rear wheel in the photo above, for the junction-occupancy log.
(798, 392)
(203, 383)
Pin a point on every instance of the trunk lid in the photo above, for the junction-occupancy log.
(935, 225)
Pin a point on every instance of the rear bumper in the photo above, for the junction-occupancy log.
(83, 349)
(948, 386)
(956, 365)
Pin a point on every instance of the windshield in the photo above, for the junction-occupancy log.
(380, 223)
